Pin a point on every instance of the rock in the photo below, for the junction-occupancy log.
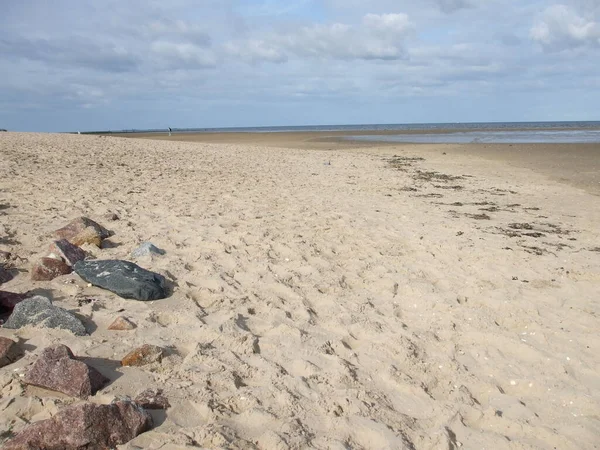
(111, 216)
(5, 275)
(57, 369)
(9, 351)
(8, 300)
(69, 252)
(49, 268)
(126, 279)
(39, 311)
(85, 426)
(147, 248)
(78, 225)
(88, 236)
(121, 323)
(146, 354)
(5, 256)
(152, 399)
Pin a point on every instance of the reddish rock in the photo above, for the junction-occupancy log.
(152, 399)
(8, 300)
(85, 426)
(69, 252)
(78, 225)
(49, 268)
(57, 369)
(146, 354)
(121, 323)
(9, 351)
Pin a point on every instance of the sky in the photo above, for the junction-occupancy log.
(72, 65)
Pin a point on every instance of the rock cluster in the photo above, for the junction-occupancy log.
(83, 425)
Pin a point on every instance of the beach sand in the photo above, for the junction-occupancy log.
(361, 296)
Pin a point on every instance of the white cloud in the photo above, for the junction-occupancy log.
(377, 37)
(560, 28)
(176, 55)
(255, 50)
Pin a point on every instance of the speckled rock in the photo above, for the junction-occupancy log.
(146, 354)
(85, 426)
(49, 268)
(39, 311)
(57, 369)
(124, 278)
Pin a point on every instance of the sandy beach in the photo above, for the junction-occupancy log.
(325, 294)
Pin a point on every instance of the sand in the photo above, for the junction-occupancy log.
(328, 299)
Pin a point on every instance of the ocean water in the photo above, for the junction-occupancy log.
(491, 137)
(485, 132)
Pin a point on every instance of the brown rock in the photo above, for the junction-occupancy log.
(9, 351)
(88, 236)
(5, 275)
(121, 323)
(76, 226)
(85, 426)
(57, 369)
(112, 216)
(152, 399)
(69, 252)
(49, 268)
(146, 354)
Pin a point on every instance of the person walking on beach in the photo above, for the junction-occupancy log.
(170, 131)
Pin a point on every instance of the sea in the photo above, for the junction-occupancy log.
(451, 133)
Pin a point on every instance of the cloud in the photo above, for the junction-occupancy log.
(254, 51)
(561, 28)
(377, 37)
(79, 52)
(450, 6)
(182, 55)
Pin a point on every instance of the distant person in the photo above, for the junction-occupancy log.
(170, 131)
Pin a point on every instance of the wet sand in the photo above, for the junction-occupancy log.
(575, 164)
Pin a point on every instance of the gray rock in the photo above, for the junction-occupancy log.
(124, 278)
(147, 248)
(39, 311)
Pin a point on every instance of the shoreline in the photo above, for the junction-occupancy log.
(574, 164)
